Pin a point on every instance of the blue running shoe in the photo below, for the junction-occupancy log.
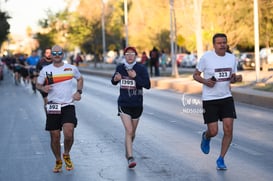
(220, 164)
(205, 144)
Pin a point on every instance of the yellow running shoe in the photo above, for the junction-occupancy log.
(58, 166)
(68, 162)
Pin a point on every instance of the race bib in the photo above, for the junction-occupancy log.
(127, 83)
(222, 74)
(53, 108)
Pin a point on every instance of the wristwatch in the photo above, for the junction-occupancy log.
(79, 91)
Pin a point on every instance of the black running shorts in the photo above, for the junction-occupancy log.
(134, 112)
(215, 110)
(56, 121)
(44, 94)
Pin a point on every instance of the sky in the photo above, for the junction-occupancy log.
(26, 13)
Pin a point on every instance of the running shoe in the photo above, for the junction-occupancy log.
(68, 163)
(205, 144)
(220, 164)
(131, 162)
(58, 166)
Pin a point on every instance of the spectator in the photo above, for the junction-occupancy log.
(78, 59)
(144, 59)
(154, 61)
(163, 60)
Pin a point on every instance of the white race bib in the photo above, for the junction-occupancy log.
(127, 83)
(53, 108)
(222, 74)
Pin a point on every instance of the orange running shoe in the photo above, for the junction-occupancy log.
(68, 162)
(58, 166)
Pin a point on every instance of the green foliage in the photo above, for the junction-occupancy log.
(233, 17)
(46, 40)
(93, 42)
(79, 28)
(162, 40)
(114, 25)
(266, 87)
(4, 30)
(266, 22)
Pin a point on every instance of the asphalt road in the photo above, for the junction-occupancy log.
(167, 145)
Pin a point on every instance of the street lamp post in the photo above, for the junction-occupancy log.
(256, 37)
(103, 30)
(126, 22)
(172, 34)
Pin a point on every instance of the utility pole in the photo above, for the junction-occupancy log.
(256, 37)
(172, 34)
(198, 26)
(103, 30)
(126, 22)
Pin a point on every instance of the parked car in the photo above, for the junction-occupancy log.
(179, 59)
(119, 59)
(189, 61)
(1, 70)
(266, 57)
(246, 61)
(110, 57)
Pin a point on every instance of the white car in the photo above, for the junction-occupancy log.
(189, 61)
(266, 58)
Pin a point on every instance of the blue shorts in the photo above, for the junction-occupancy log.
(56, 121)
(134, 112)
(215, 110)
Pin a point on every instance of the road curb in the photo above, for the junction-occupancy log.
(189, 86)
(97, 72)
(253, 97)
(244, 95)
(181, 85)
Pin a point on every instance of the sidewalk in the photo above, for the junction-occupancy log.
(242, 92)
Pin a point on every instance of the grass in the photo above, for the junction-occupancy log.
(264, 87)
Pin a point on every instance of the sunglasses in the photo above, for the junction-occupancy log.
(130, 54)
(57, 53)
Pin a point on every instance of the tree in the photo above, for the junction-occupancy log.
(4, 30)
(148, 24)
(45, 40)
(233, 17)
(266, 22)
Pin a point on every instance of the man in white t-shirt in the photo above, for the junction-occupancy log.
(56, 79)
(218, 68)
